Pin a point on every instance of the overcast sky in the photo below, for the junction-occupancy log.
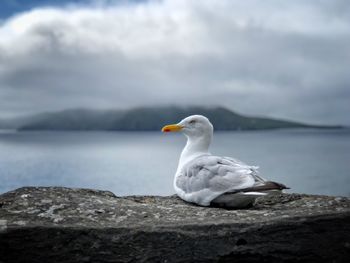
(285, 59)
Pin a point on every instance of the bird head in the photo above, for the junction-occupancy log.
(192, 126)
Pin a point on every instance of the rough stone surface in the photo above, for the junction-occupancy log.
(57, 224)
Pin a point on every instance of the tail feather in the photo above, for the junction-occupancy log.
(268, 185)
(244, 198)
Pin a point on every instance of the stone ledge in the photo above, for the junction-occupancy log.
(55, 224)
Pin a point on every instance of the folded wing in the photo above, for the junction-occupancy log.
(208, 177)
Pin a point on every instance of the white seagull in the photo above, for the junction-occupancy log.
(206, 179)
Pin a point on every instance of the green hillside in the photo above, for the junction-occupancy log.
(150, 118)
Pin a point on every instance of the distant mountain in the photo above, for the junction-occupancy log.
(147, 119)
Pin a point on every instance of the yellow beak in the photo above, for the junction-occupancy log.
(172, 128)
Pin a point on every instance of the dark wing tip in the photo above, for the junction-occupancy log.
(280, 186)
(268, 185)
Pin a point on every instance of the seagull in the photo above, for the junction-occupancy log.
(208, 180)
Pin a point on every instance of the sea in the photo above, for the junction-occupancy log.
(308, 161)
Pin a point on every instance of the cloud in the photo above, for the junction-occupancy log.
(282, 59)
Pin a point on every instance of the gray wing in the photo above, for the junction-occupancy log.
(217, 174)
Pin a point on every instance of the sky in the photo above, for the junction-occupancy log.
(282, 59)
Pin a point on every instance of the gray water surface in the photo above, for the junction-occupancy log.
(138, 163)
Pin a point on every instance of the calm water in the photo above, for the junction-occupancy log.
(308, 161)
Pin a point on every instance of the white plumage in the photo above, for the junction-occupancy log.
(206, 179)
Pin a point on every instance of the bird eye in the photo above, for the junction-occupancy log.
(193, 122)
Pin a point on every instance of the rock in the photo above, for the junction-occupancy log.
(54, 224)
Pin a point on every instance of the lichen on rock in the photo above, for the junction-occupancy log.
(56, 224)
